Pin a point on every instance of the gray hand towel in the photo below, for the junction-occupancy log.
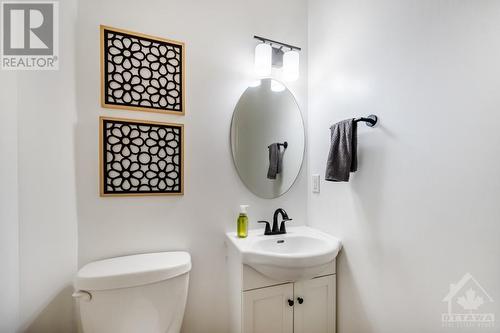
(342, 158)
(275, 158)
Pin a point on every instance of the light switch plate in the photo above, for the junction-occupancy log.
(315, 183)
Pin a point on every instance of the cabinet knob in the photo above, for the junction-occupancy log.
(300, 300)
(290, 302)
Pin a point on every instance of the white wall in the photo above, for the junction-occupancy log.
(9, 223)
(423, 208)
(47, 195)
(219, 46)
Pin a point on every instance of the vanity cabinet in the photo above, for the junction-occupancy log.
(272, 293)
(316, 314)
(301, 307)
(266, 310)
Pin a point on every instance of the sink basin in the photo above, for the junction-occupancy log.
(301, 253)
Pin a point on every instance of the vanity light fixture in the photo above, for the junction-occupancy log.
(263, 59)
(270, 53)
(291, 66)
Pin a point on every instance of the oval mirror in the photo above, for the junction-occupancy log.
(267, 139)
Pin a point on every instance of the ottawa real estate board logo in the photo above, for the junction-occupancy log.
(29, 35)
(469, 305)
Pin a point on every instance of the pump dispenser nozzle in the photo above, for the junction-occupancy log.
(243, 209)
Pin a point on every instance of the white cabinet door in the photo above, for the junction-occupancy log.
(267, 310)
(316, 314)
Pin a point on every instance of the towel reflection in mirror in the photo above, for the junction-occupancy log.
(276, 159)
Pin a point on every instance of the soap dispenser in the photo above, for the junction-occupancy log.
(242, 224)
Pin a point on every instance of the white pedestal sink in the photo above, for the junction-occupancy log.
(302, 253)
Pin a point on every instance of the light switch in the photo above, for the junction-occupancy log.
(315, 183)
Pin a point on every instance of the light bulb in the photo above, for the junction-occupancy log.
(263, 60)
(291, 66)
(255, 83)
(277, 86)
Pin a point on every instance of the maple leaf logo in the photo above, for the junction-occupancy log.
(470, 301)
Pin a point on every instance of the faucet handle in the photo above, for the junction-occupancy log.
(282, 226)
(268, 227)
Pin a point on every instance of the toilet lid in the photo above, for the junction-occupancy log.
(129, 271)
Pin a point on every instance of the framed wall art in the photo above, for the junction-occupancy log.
(140, 157)
(142, 72)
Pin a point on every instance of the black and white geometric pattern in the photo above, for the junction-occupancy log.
(141, 72)
(141, 157)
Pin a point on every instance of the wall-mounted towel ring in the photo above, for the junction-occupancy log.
(279, 144)
(284, 145)
(370, 121)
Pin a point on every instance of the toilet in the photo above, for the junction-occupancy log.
(143, 293)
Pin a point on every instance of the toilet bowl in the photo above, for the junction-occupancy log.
(144, 293)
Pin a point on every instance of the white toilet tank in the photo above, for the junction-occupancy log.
(144, 293)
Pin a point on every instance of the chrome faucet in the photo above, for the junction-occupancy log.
(275, 230)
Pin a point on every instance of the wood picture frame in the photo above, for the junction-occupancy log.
(150, 152)
(141, 72)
